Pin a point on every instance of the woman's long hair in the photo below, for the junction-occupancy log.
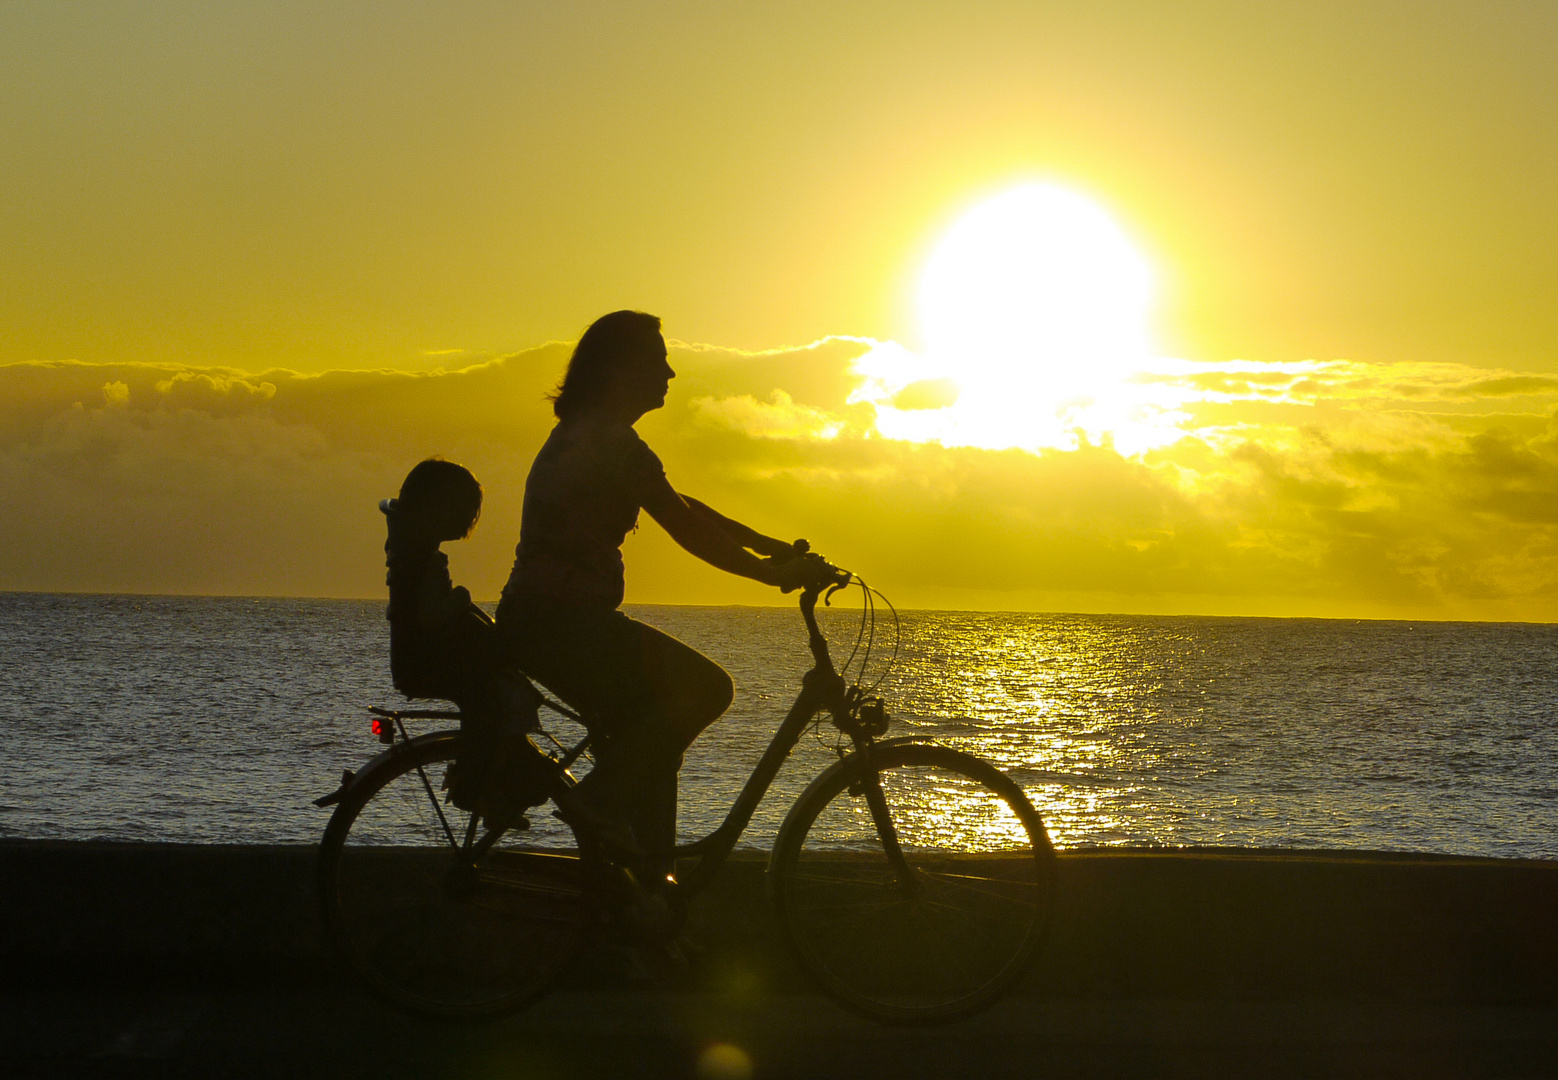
(602, 349)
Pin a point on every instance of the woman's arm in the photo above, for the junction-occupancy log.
(744, 535)
(704, 533)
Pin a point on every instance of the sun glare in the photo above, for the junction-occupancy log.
(1034, 305)
(1035, 278)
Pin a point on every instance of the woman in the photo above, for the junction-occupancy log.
(650, 694)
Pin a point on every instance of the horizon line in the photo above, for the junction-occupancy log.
(784, 606)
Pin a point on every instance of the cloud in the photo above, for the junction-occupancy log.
(1322, 488)
(159, 478)
(1418, 384)
(778, 418)
(1337, 487)
(926, 394)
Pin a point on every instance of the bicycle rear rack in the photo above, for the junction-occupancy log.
(416, 714)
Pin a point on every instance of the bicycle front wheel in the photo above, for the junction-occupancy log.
(427, 923)
(926, 907)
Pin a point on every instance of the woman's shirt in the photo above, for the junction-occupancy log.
(581, 499)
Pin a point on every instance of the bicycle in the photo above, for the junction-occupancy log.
(447, 914)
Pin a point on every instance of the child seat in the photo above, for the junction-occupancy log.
(456, 656)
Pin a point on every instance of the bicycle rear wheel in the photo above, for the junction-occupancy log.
(434, 930)
(945, 929)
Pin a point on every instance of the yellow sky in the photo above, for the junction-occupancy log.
(257, 259)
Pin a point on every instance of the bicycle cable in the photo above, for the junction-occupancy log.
(868, 602)
(868, 636)
(892, 661)
(859, 634)
(865, 643)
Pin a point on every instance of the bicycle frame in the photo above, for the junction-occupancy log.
(821, 688)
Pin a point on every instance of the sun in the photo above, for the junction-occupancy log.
(1036, 277)
(1035, 303)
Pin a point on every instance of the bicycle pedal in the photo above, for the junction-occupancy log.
(651, 913)
(646, 921)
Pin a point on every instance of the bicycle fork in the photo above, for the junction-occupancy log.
(881, 816)
(826, 684)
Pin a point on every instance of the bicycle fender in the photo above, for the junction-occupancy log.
(849, 762)
(350, 780)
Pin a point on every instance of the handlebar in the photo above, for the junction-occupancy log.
(838, 578)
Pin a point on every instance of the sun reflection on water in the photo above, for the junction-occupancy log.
(931, 810)
(1059, 707)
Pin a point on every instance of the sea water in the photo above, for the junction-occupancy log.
(220, 720)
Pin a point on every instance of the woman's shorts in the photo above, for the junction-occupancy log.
(613, 668)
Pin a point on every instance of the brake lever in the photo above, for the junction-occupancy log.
(827, 597)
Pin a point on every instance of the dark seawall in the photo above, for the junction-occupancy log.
(1197, 923)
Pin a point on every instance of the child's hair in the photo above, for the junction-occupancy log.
(445, 495)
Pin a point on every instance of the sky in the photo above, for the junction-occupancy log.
(1195, 308)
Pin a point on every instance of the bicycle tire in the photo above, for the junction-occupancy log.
(965, 928)
(434, 933)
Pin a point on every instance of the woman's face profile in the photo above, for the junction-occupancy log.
(646, 378)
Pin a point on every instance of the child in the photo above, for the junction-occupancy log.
(442, 645)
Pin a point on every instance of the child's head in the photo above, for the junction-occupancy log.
(444, 495)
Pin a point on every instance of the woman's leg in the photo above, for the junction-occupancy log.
(649, 695)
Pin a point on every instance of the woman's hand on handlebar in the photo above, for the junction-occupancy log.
(780, 551)
(808, 570)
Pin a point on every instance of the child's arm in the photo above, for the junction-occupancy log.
(443, 605)
(461, 606)
(439, 602)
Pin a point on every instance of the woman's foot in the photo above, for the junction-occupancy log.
(576, 808)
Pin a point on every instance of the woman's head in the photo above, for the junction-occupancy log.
(620, 354)
(444, 495)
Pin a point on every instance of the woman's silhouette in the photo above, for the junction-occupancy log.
(650, 694)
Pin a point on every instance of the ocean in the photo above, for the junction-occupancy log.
(218, 720)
